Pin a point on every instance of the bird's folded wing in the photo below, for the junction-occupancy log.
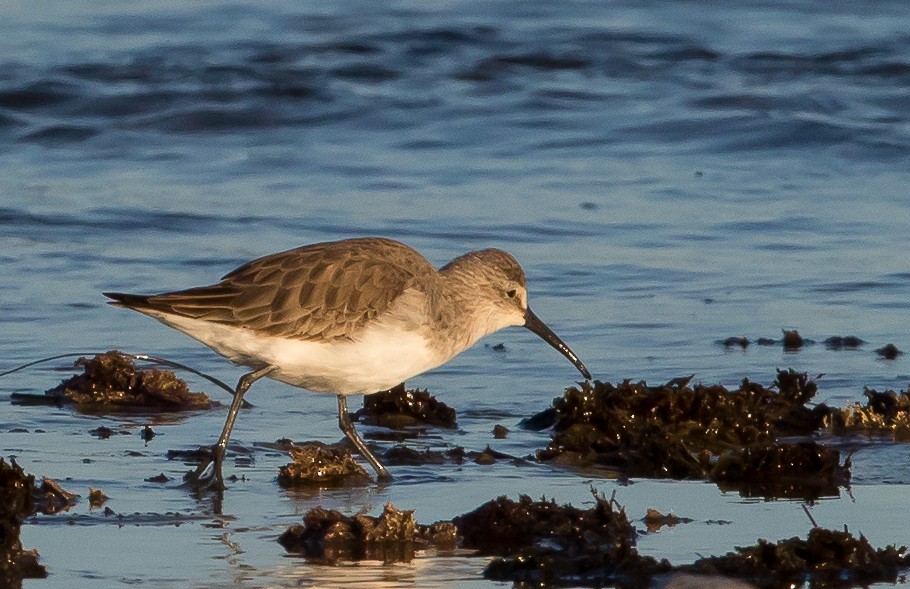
(316, 292)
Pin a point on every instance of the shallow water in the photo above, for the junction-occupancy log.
(669, 174)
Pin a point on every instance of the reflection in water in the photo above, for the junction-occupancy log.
(425, 571)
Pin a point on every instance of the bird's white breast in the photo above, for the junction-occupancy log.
(384, 355)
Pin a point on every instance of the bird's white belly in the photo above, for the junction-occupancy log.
(381, 358)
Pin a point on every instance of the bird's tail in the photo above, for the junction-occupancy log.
(130, 301)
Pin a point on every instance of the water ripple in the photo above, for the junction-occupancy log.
(231, 87)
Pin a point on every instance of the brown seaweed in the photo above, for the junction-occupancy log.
(655, 520)
(96, 497)
(826, 559)
(736, 342)
(51, 498)
(393, 536)
(885, 413)
(541, 543)
(403, 455)
(320, 465)
(793, 340)
(17, 491)
(112, 380)
(698, 432)
(158, 478)
(399, 408)
(889, 352)
(801, 470)
(843, 342)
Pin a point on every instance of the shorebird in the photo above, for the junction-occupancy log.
(356, 316)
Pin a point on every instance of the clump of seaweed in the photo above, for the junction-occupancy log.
(889, 352)
(16, 503)
(696, 432)
(403, 455)
(655, 520)
(319, 465)
(736, 341)
(885, 413)
(112, 380)
(51, 498)
(793, 340)
(843, 342)
(399, 409)
(393, 536)
(825, 559)
(541, 543)
(96, 497)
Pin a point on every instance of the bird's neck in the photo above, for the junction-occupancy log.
(464, 317)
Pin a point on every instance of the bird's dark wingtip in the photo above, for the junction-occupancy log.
(121, 299)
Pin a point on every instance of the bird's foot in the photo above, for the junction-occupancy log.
(208, 474)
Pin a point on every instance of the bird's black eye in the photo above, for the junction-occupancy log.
(511, 293)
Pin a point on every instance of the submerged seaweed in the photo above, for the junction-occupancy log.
(889, 352)
(800, 470)
(845, 342)
(825, 559)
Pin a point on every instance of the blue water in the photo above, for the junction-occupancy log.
(670, 174)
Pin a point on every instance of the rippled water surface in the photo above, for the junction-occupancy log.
(669, 173)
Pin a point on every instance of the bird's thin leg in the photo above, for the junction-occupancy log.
(344, 422)
(208, 473)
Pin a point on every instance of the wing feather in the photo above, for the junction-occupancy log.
(322, 291)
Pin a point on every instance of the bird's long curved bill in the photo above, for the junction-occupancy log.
(534, 323)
